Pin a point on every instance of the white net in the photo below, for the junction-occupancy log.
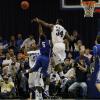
(88, 7)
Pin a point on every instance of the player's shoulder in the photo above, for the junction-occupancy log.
(96, 46)
(58, 25)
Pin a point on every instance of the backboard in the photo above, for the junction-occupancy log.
(76, 4)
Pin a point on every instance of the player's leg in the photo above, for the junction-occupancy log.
(98, 81)
(45, 64)
(31, 84)
(37, 70)
(59, 55)
(47, 83)
(38, 93)
(39, 85)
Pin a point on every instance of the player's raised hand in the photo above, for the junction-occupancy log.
(35, 20)
(32, 20)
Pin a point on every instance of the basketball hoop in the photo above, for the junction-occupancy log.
(88, 7)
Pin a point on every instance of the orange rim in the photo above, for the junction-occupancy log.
(88, 3)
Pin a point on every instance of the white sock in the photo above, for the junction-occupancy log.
(61, 74)
(46, 87)
(36, 95)
(40, 96)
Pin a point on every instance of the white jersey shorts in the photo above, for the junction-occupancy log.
(35, 80)
(31, 80)
(59, 53)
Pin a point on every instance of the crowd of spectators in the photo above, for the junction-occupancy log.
(78, 67)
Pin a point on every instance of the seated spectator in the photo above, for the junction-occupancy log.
(88, 54)
(11, 52)
(69, 73)
(70, 57)
(7, 88)
(54, 83)
(19, 41)
(2, 57)
(7, 62)
(77, 45)
(77, 48)
(81, 66)
(67, 65)
(14, 68)
(22, 80)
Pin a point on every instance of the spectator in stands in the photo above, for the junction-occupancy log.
(54, 83)
(74, 39)
(27, 42)
(3, 43)
(81, 66)
(7, 88)
(19, 41)
(70, 56)
(7, 63)
(12, 41)
(22, 80)
(11, 52)
(69, 72)
(78, 46)
(88, 54)
(2, 57)
(20, 56)
(15, 65)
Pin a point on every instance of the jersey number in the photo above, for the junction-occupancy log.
(59, 33)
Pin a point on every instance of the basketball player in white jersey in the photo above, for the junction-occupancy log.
(33, 77)
(58, 33)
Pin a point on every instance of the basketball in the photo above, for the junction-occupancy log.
(25, 5)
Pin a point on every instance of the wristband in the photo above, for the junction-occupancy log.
(27, 71)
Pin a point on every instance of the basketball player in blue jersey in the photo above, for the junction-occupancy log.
(96, 50)
(95, 77)
(42, 61)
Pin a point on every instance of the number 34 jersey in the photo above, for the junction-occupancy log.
(58, 34)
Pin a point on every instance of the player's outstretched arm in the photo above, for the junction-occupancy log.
(42, 22)
(40, 30)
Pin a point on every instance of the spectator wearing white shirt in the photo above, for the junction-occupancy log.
(7, 62)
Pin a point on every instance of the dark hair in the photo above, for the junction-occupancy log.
(98, 39)
(60, 21)
(31, 35)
